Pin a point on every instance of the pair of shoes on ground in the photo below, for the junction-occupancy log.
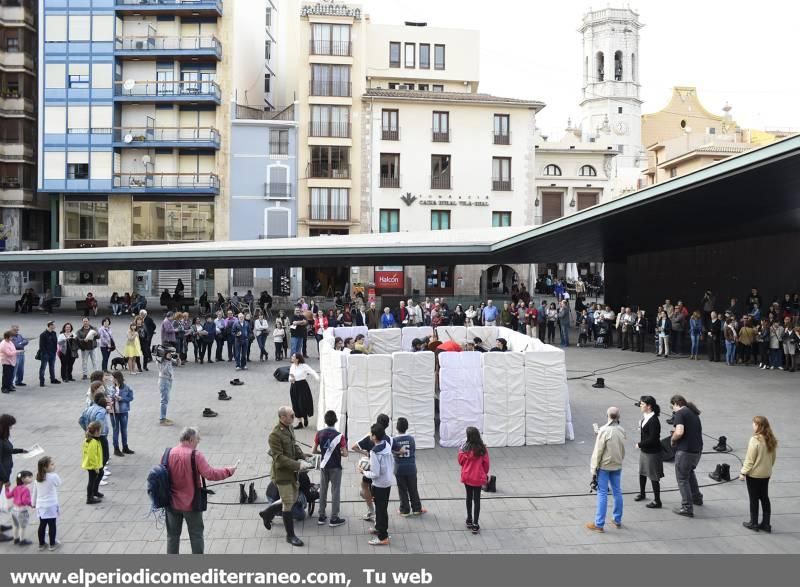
(595, 528)
(409, 514)
(209, 413)
(333, 522)
(474, 528)
(248, 496)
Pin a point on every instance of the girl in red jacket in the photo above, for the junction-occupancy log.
(474, 460)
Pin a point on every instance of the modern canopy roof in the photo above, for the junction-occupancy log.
(752, 194)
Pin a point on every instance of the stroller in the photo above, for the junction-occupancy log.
(601, 341)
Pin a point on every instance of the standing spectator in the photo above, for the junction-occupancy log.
(165, 379)
(321, 324)
(98, 411)
(92, 462)
(20, 342)
(241, 334)
(7, 452)
(709, 300)
(757, 470)
(775, 343)
(640, 330)
(168, 330)
(381, 467)
(663, 329)
(695, 333)
(564, 319)
(179, 337)
(332, 445)
(68, 351)
(473, 457)
(47, 484)
(713, 337)
(541, 320)
(582, 321)
(261, 331)
(788, 341)
(146, 335)
(21, 507)
(531, 317)
(651, 463)
(746, 337)
(106, 342)
(404, 448)
(627, 321)
(87, 342)
(300, 393)
(731, 338)
(458, 317)
(8, 358)
(687, 440)
(490, 314)
(299, 331)
(187, 466)
(133, 349)
(210, 330)
(48, 347)
(122, 398)
(387, 320)
(373, 317)
(219, 337)
(279, 337)
(678, 323)
(606, 469)
(552, 318)
(610, 317)
(287, 461)
(470, 316)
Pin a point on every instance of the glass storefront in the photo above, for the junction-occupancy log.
(173, 221)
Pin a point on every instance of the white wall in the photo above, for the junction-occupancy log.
(248, 50)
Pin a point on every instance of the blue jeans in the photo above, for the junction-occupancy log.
(106, 352)
(47, 360)
(164, 386)
(603, 479)
(730, 352)
(564, 334)
(297, 344)
(774, 358)
(19, 369)
(262, 340)
(120, 424)
(695, 344)
(240, 351)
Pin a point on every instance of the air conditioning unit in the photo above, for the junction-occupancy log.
(140, 45)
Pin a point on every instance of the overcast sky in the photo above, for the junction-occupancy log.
(738, 51)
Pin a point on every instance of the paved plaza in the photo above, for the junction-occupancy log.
(526, 515)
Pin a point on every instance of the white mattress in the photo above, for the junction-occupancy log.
(488, 334)
(412, 394)
(409, 333)
(385, 342)
(456, 333)
(369, 389)
(344, 332)
(460, 396)
(504, 399)
(332, 387)
(545, 397)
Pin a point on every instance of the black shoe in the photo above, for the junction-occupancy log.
(209, 413)
(20, 384)
(336, 521)
(242, 494)
(41, 384)
(4, 390)
(128, 451)
(99, 495)
(765, 528)
(223, 395)
(92, 500)
(55, 382)
(683, 512)
(4, 528)
(236, 382)
(288, 522)
(640, 497)
(751, 526)
(491, 485)
(267, 515)
(5, 538)
(299, 426)
(118, 453)
(251, 494)
(84, 378)
(654, 505)
(717, 474)
(698, 502)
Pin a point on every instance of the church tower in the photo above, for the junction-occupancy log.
(611, 106)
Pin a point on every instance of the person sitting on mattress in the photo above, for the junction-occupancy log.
(500, 346)
(359, 348)
(479, 346)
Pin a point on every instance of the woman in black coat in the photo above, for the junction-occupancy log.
(7, 452)
(651, 464)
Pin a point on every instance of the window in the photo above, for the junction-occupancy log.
(279, 142)
(587, 171)
(502, 134)
(55, 29)
(437, 88)
(394, 54)
(438, 280)
(438, 56)
(269, 16)
(55, 75)
(441, 127)
(330, 162)
(424, 56)
(440, 172)
(102, 28)
(173, 221)
(501, 174)
(600, 66)
(330, 121)
(552, 170)
(423, 87)
(411, 55)
(78, 76)
(673, 172)
(390, 220)
(80, 28)
(12, 45)
(86, 220)
(55, 120)
(267, 83)
(390, 125)
(268, 50)
(619, 109)
(501, 219)
(633, 66)
(440, 219)
(78, 119)
(102, 75)
(330, 204)
(331, 39)
(54, 164)
(100, 165)
(77, 165)
(390, 170)
(330, 80)
(618, 66)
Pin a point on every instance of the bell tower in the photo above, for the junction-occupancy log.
(611, 106)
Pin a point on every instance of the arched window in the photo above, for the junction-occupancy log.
(600, 66)
(618, 66)
(633, 66)
(587, 171)
(552, 170)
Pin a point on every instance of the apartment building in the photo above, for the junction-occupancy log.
(437, 154)
(135, 106)
(23, 215)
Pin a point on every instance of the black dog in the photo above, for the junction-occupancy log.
(119, 362)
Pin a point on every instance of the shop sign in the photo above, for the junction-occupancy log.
(389, 279)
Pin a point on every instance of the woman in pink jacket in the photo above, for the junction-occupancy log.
(8, 358)
(474, 460)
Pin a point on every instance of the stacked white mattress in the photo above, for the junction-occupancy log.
(455, 333)
(504, 399)
(369, 389)
(487, 334)
(460, 396)
(412, 394)
(385, 341)
(345, 332)
(333, 382)
(409, 333)
(546, 397)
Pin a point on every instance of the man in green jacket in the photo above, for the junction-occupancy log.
(287, 461)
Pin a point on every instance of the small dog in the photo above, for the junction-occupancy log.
(119, 363)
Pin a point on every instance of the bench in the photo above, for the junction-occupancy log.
(173, 305)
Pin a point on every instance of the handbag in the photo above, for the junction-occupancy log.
(200, 499)
(38, 356)
(113, 346)
(5, 503)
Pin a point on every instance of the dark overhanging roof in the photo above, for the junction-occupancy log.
(752, 194)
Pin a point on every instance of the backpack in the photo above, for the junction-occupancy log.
(158, 485)
(83, 420)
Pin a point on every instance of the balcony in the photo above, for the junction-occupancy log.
(163, 183)
(167, 91)
(278, 191)
(501, 138)
(152, 47)
(17, 15)
(389, 134)
(335, 48)
(330, 88)
(337, 130)
(328, 171)
(170, 7)
(166, 136)
(278, 148)
(14, 105)
(390, 181)
(440, 136)
(440, 182)
(326, 213)
(501, 185)
(16, 61)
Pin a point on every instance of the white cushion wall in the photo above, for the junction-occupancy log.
(385, 342)
(344, 332)
(412, 394)
(369, 389)
(333, 384)
(488, 334)
(545, 397)
(455, 333)
(409, 333)
(504, 399)
(460, 396)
